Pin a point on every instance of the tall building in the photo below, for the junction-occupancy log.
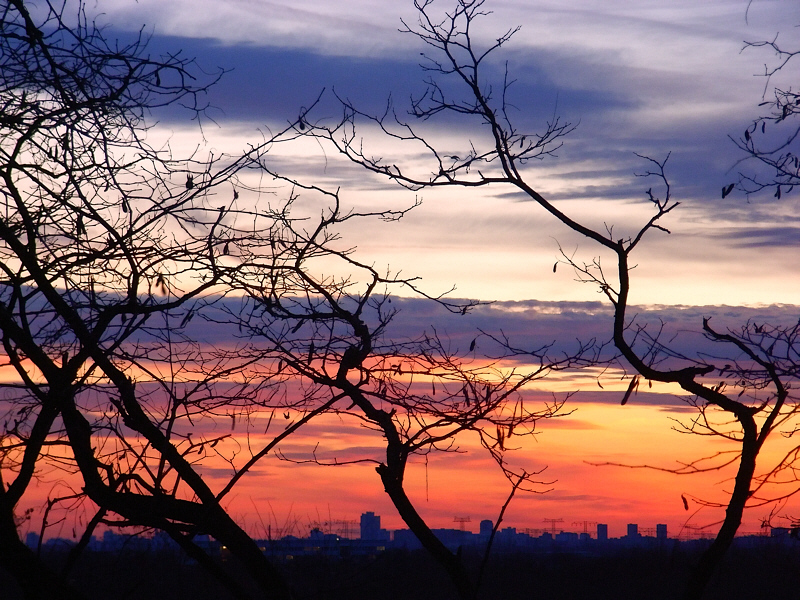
(486, 528)
(602, 531)
(661, 531)
(633, 530)
(370, 526)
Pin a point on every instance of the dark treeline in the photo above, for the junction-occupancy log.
(622, 573)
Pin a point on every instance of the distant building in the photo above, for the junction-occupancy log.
(506, 536)
(486, 528)
(371, 528)
(661, 531)
(779, 532)
(633, 530)
(567, 537)
(602, 531)
(404, 538)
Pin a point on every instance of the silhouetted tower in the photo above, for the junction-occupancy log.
(692, 532)
(602, 531)
(661, 531)
(486, 528)
(341, 527)
(370, 526)
(633, 530)
(586, 525)
(553, 524)
(462, 522)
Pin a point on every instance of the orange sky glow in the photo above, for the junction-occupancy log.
(280, 497)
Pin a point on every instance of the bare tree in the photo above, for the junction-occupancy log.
(112, 250)
(420, 395)
(758, 361)
(102, 233)
(771, 141)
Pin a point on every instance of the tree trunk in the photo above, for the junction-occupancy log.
(458, 574)
(159, 510)
(711, 558)
(37, 581)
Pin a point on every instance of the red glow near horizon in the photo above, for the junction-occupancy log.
(279, 497)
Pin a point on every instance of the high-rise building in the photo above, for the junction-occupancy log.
(602, 531)
(370, 526)
(486, 528)
(633, 530)
(661, 531)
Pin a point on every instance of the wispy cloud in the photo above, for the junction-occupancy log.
(636, 78)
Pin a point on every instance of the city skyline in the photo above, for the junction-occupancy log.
(368, 529)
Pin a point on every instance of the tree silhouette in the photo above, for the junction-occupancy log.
(757, 362)
(115, 253)
(771, 140)
(102, 234)
(420, 395)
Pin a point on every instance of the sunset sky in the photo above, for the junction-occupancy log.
(635, 77)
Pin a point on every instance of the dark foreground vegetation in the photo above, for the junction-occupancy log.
(764, 570)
